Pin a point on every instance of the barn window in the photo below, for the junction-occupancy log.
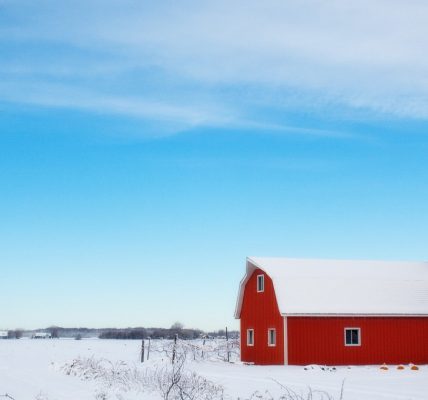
(272, 337)
(250, 337)
(352, 337)
(260, 283)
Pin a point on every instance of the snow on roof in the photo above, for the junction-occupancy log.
(342, 287)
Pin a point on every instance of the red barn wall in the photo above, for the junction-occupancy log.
(260, 312)
(393, 340)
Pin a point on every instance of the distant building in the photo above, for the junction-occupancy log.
(333, 312)
(4, 334)
(41, 335)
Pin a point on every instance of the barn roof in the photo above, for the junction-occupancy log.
(343, 287)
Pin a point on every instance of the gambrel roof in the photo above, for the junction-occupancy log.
(343, 287)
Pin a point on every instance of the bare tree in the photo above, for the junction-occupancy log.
(177, 326)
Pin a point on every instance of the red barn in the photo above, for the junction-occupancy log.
(333, 312)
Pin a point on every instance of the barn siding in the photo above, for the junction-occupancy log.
(393, 340)
(260, 312)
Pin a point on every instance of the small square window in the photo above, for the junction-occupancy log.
(250, 337)
(352, 337)
(271, 337)
(260, 283)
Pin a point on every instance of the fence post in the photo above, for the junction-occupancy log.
(227, 346)
(142, 351)
(203, 345)
(148, 348)
(174, 348)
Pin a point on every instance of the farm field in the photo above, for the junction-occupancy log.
(62, 369)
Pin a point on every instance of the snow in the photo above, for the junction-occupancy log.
(33, 369)
(344, 286)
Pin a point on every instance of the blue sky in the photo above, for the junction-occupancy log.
(147, 148)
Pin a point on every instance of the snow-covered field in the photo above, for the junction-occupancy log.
(110, 369)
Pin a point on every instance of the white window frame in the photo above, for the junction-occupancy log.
(248, 337)
(262, 289)
(274, 337)
(359, 336)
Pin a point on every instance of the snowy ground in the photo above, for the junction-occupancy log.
(34, 369)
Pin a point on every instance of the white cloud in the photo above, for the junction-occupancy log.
(62, 96)
(354, 54)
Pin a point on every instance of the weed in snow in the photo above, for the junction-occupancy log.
(289, 394)
(7, 396)
(171, 382)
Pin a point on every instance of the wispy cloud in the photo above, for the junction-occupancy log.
(218, 63)
(60, 96)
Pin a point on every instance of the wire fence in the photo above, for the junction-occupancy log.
(196, 350)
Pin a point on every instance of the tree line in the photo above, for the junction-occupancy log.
(177, 329)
